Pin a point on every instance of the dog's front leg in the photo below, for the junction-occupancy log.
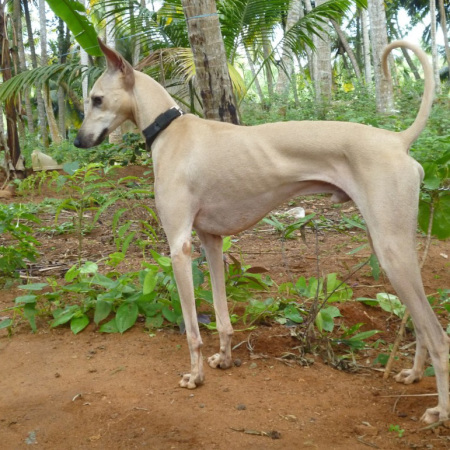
(182, 268)
(213, 248)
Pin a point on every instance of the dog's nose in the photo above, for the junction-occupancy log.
(77, 142)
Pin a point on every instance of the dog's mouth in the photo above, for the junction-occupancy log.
(101, 137)
(80, 142)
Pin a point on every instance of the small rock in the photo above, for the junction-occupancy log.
(241, 407)
(253, 365)
(364, 429)
(237, 362)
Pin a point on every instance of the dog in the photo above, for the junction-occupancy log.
(220, 179)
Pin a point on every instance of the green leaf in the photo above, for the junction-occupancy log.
(149, 309)
(382, 358)
(441, 218)
(72, 273)
(319, 321)
(431, 180)
(115, 259)
(126, 316)
(226, 244)
(364, 335)
(71, 167)
(154, 322)
(169, 314)
(78, 324)
(33, 286)
(293, 314)
(102, 280)
(89, 267)
(150, 281)
(29, 311)
(65, 315)
(102, 310)
(74, 15)
(26, 299)
(127, 241)
(391, 303)
(375, 266)
(5, 323)
(109, 327)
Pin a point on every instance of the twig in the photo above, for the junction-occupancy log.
(370, 444)
(410, 395)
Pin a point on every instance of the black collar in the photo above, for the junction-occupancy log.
(160, 123)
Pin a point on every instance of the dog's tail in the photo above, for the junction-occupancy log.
(418, 125)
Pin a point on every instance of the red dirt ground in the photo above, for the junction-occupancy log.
(97, 391)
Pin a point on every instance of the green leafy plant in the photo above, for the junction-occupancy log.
(435, 196)
(17, 243)
(396, 429)
(388, 302)
(286, 231)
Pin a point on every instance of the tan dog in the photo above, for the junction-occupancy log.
(220, 179)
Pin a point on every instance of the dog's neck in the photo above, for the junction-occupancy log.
(160, 123)
(150, 101)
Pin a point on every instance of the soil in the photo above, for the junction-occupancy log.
(94, 390)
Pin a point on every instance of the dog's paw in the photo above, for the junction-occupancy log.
(408, 376)
(190, 382)
(433, 415)
(217, 360)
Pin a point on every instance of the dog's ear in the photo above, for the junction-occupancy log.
(116, 62)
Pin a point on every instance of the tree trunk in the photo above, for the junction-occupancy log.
(409, 61)
(12, 153)
(40, 100)
(61, 97)
(366, 47)
(444, 31)
(434, 52)
(212, 76)
(287, 60)
(116, 136)
(378, 35)
(347, 48)
(78, 105)
(255, 77)
(22, 63)
(53, 127)
(311, 60)
(267, 50)
(323, 78)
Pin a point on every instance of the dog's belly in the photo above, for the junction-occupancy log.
(222, 216)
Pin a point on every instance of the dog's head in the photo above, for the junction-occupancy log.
(110, 101)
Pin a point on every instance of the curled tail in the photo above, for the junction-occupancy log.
(418, 125)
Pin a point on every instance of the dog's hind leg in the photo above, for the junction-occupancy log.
(400, 263)
(213, 248)
(393, 228)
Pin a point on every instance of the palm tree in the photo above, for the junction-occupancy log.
(12, 151)
(378, 34)
(210, 60)
(39, 98)
(22, 61)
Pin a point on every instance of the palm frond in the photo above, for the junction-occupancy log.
(41, 75)
(178, 64)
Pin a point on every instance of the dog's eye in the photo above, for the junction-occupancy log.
(97, 101)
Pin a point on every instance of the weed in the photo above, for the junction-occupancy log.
(17, 244)
(397, 429)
